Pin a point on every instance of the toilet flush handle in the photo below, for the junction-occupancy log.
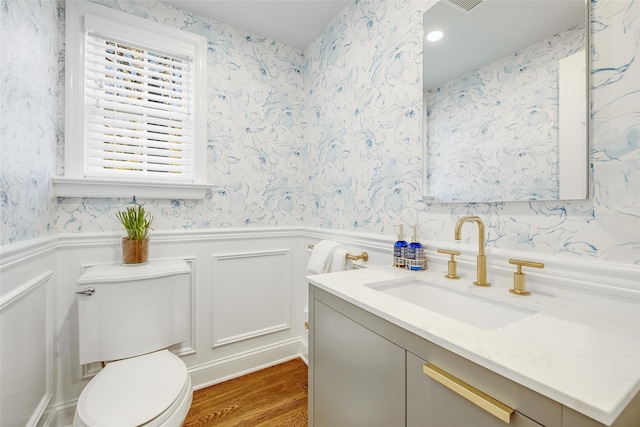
(88, 292)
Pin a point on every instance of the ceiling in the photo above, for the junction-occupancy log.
(469, 36)
(292, 22)
(491, 30)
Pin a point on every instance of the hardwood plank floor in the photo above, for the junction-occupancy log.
(275, 396)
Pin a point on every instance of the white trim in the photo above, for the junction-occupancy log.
(37, 247)
(97, 239)
(74, 183)
(603, 278)
(61, 415)
(100, 187)
(217, 340)
(189, 346)
(239, 255)
(74, 84)
(217, 371)
(130, 28)
(15, 296)
(23, 290)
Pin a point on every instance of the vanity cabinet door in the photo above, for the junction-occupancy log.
(358, 376)
(431, 404)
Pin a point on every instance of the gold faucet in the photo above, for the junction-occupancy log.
(482, 259)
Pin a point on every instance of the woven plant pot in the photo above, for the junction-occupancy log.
(135, 251)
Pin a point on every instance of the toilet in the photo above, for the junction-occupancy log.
(128, 315)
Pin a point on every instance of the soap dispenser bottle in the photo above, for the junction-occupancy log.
(400, 248)
(415, 252)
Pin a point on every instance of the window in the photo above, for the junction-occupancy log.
(135, 117)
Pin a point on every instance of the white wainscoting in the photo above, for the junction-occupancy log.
(254, 307)
(26, 353)
(248, 294)
(251, 295)
(189, 346)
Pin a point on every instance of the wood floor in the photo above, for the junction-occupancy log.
(276, 396)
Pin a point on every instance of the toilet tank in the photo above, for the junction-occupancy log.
(135, 309)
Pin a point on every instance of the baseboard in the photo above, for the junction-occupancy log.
(227, 368)
(60, 415)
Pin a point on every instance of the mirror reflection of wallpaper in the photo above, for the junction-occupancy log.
(492, 134)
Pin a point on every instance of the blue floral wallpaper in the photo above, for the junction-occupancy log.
(364, 79)
(31, 126)
(500, 123)
(256, 150)
(329, 137)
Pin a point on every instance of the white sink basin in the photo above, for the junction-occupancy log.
(471, 309)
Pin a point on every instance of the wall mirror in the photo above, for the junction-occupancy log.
(506, 100)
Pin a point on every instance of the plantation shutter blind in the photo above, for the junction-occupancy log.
(139, 105)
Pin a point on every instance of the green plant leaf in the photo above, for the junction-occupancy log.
(136, 221)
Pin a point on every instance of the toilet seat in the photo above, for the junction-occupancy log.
(151, 390)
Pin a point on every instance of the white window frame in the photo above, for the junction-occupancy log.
(74, 183)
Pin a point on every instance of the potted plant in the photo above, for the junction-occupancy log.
(137, 223)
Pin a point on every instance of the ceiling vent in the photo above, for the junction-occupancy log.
(463, 5)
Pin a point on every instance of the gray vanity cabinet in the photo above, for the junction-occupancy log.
(367, 371)
(358, 376)
(431, 404)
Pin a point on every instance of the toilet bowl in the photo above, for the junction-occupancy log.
(150, 390)
(130, 316)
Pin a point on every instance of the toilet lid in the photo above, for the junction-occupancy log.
(132, 392)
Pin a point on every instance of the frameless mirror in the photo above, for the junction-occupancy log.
(506, 100)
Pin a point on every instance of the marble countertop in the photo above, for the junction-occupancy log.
(584, 355)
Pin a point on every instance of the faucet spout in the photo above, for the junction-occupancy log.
(481, 259)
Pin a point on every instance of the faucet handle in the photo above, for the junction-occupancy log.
(451, 273)
(519, 279)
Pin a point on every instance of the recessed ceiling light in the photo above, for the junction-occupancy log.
(435, 35)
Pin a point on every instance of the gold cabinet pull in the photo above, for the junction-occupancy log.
(472, 394)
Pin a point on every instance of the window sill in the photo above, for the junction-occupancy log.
(95, 187)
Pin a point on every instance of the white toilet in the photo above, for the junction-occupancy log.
(127, 317)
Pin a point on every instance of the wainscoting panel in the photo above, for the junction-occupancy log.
(189, 346)
(251, 295)
(26, 353)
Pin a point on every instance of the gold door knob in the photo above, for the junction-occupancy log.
(519, 278)
(451, 272)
